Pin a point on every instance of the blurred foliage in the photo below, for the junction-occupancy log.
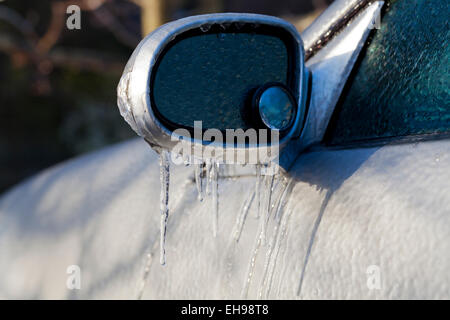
(58, 86)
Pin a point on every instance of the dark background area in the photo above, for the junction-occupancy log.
(58, 86)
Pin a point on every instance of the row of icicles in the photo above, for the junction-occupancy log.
(206, 175)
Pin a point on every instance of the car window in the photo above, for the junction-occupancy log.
(401, 84)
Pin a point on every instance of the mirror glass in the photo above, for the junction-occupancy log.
(211, 77)
(276, 107)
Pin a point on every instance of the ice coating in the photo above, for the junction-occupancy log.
(128, 231)
(243, 215)
(208, 176)
(274, 244)
(251, 266)
(274, 198)
(267, 204)
(148, 263)
(164, 204)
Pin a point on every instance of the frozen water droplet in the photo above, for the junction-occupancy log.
(437, 158)
(164, 201)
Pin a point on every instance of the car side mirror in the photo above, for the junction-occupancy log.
(234, 89)
(222, 85)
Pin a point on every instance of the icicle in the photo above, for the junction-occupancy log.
(258, 190)
(272, 253)
(259, 236)
(198, 180)
(215, 194)
(164, 204)
(208, 176)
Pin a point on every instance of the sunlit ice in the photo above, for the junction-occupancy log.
(230, 146)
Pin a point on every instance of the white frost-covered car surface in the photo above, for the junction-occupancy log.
(348, 210)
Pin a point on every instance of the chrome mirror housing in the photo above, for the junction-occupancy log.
(156, 93)
(238, 75)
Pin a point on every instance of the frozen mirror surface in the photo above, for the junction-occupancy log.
(211, 77)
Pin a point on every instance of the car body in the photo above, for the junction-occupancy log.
(363, 215)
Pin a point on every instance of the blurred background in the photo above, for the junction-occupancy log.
(58, 86)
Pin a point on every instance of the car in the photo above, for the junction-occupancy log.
(357, 209)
